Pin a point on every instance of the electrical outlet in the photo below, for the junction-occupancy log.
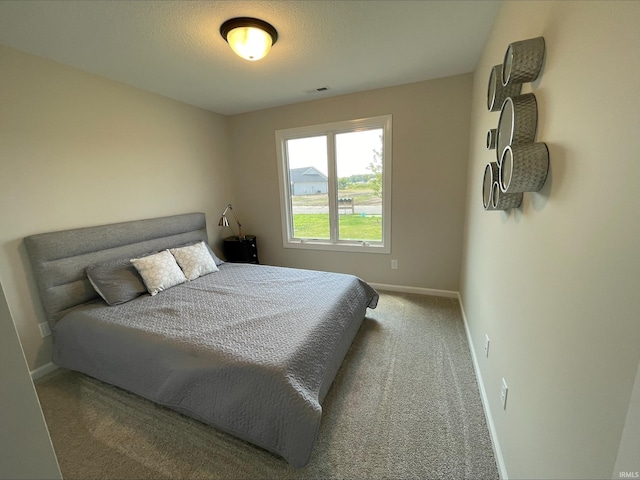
(394, 264)
(503, 394)
(486, 346)
(45, 331)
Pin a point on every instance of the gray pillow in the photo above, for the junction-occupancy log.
(215, 257)
(116, 281)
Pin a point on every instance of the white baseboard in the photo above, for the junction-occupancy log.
(497, 451)
(417, 290)
(43, 370)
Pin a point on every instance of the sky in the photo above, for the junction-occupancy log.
(354, 152)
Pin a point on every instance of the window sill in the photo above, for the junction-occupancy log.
(358, 247)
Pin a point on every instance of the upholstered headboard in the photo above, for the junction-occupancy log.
(59, 259)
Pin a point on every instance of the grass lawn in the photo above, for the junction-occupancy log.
(352, 227)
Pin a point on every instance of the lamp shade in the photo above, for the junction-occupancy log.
(250, 38)
(249, 43)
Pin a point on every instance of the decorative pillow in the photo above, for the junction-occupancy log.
(214, 256)
(159, 271)
(116, 281)
(211, 252)
(194, 260)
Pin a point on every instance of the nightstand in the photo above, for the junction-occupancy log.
(241, 251)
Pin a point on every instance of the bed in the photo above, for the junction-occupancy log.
(249, 349)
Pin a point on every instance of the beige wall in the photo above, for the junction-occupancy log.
(430, 146)
(555, 284)
(79, 150)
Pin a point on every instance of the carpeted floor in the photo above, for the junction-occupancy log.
(405, 404)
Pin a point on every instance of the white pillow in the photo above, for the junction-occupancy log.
(194, 260)
(159, 271)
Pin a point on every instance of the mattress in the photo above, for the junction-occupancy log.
(251, 349)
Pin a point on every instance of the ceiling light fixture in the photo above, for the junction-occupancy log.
(250, 38)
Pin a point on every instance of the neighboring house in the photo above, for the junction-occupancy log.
(308, 181)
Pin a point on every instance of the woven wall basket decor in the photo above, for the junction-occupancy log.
(524, 168)
(521, 165)
(504, 201)
(491, 176)
(522, 61)
(492, 135)
(497, 93)
(518, 122)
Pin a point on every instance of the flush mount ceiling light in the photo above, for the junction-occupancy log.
(250, 38)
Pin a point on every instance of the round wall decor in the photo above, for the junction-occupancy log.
(523, 61)
(496, 92)
(524, 168)
(490, 178)
(504, 201)
(518, 122)
(521, 164)
(492, 134)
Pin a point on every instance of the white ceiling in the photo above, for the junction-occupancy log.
(174, 48)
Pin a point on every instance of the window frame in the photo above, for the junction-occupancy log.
(331, 130)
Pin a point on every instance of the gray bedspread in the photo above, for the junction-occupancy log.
(250, 349)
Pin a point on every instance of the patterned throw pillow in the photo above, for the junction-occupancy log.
(159, 271)
(194, 260)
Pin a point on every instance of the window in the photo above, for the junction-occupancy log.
(335, 185)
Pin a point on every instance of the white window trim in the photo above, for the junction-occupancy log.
(384, 122)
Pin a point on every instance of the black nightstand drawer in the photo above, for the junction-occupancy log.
(241, 251)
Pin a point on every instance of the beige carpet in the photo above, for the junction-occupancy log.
(405, 404)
